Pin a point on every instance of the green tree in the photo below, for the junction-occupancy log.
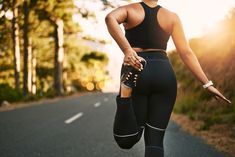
(57, 12)
(9, 10)
(45, 28)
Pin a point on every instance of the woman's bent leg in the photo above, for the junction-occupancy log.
(125, 128)
(129, 120)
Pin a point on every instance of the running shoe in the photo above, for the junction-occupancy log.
(130, 74)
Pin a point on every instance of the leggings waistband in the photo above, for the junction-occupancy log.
(153, 54)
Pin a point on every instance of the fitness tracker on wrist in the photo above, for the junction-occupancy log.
(210, 83)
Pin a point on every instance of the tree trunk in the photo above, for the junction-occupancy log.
(16, 44)
(26, 46)
(34, 63)
(29, 86)
(59, 55)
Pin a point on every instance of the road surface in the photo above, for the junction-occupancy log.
(82, 127)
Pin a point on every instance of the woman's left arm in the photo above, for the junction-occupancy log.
(185, 52)
(188, 56)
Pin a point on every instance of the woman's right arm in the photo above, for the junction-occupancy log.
(113, 20)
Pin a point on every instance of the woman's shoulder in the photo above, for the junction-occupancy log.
(168, 14)
(131, 8)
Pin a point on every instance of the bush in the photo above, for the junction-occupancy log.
(9, 94)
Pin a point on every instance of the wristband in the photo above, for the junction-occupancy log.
(210, 83)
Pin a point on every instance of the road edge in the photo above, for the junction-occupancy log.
(18, 105)
(221, 137)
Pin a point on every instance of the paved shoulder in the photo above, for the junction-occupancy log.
(179, 143)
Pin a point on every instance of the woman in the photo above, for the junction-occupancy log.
(148, 87)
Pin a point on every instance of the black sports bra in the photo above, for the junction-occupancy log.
(148, 34)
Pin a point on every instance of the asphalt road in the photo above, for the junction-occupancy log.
(82, 127)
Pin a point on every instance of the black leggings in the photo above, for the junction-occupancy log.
(149, 107)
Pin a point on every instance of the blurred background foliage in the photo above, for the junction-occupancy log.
(215, 51)
(83, 68)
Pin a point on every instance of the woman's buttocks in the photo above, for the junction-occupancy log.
(158, 76)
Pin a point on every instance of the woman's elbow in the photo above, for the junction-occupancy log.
(108, 18)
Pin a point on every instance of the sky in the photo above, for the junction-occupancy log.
(197, 16)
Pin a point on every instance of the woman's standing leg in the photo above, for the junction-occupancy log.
(159, 111)
(160, 105)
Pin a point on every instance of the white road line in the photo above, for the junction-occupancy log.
(70, 120)
(97, 104)
(106, 99)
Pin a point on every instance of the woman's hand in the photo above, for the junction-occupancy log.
(131, 58)
(216, 94)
